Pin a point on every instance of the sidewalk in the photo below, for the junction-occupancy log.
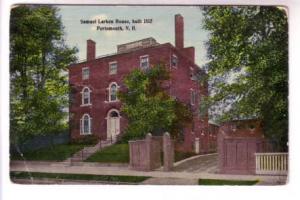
(91, 168)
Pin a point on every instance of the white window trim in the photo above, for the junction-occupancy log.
(82, 97)
(192, 94)
(109, 64)
(109, 96)
(110, 111)
(82, 125)
(84, 68)
(144, 56)
(174, 55)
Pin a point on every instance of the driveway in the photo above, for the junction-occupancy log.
(199, 164)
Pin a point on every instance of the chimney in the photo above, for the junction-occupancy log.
(179, 31)
(91, 50)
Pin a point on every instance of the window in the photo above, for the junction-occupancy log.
(193, 97)
(144, 62)
(113, 89)
(85, 73)
(86, 96)
(174, 61)
(113, 67)
(192, 74)
(203, 108)
(85, 125)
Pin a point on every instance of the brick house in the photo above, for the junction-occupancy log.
(95, 108)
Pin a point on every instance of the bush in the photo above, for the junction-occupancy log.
(87, 139)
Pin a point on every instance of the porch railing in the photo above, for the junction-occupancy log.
(271, 163)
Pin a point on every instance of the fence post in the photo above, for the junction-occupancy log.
(275, 163)
(197, 145)
(168, 149)
(148, 151)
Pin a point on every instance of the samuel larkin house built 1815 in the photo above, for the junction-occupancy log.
(95, 107)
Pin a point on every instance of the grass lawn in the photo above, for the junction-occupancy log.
(117, 153)
(54, 153)
(87, 177)
(225, 182)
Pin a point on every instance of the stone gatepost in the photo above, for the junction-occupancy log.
(197, 145)
(168, 149)
(148, 151)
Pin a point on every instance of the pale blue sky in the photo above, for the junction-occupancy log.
(162, 27)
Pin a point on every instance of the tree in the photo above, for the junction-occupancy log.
(248, 68)
(148, 107)
(38, 63)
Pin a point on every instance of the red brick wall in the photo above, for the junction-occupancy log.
(91, 50)
(179, 31)
(179, 86)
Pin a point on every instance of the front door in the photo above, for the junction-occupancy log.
(113, 125)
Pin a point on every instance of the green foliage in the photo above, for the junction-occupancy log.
(54, 153)
(148, 107)
(86, 140)
(248, 68)
(38, 72)
(86, 177)
(118, 153)
(225, 182)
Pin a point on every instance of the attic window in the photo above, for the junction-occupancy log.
(174, 61)
(85, 73)
(113, 68)
(192, 74)
(144, 62)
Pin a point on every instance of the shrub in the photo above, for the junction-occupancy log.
(87, 139)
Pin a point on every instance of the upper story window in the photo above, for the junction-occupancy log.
(113, 68)
(174, 61)
(203, 107)
(113, 89)
(85, 73)
(85, 125)
(193, 97)
(144, 62)
(86, 96)
(193, 74)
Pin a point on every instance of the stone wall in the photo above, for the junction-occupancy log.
(145, 155)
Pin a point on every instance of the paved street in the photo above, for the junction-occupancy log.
(187, 172)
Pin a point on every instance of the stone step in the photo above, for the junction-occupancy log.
(88, 151)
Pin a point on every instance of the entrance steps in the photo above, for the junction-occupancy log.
(86, 152)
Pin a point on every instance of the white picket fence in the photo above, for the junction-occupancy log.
(271, 163)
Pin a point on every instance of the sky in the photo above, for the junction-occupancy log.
(161, 28)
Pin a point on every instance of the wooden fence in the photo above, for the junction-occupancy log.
(271, 163)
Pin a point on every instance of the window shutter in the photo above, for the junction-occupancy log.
(90, 127)
(106, 95)
(81, 126)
